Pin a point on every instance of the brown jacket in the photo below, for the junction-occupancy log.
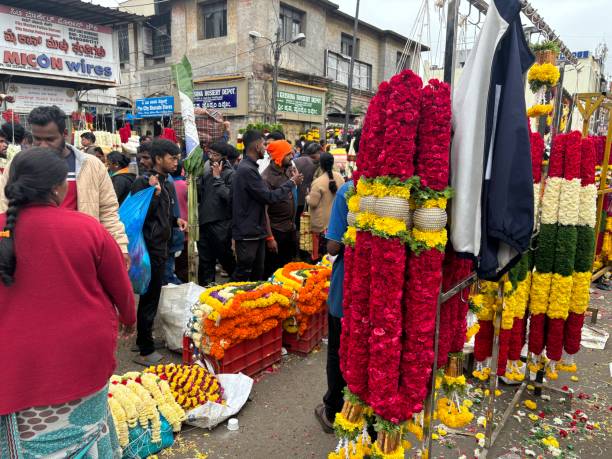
(95, 193)
(320, 201)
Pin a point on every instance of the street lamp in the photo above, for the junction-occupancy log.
(277, 46)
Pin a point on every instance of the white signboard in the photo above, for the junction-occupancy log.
(52, 46)
(29, 96)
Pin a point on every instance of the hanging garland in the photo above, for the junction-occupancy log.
(386, 349)
(585, 251)
(543, 75)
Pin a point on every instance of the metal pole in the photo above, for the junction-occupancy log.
(493, 377)
(349, 90)
(277, 52)
(558, 102)
(451, 41)
(429, 402)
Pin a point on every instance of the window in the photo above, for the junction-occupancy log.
(346, 45)
(124, 44)
(407, 61)
(292, 23)
(212, 19)
(338, 70)
(158, 28)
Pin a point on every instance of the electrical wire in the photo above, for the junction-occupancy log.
(169, 77)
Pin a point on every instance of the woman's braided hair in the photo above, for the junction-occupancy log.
(32, 176)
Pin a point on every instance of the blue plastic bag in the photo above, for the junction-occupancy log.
(132, 213)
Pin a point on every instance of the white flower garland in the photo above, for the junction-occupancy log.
(588, 206)
(569, 202)
(550, 202)
(536, 203)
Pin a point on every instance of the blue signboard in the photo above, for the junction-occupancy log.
(154, 107)
(216, 97)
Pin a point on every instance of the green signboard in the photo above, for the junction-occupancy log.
(302, 104)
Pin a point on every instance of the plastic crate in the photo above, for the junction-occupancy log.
(250, 357)
(312, 336)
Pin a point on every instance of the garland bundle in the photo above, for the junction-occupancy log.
(386, 349)
(144, 412)
(585, 252)
(565, 250)
(545, 255)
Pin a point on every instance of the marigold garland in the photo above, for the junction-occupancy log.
(538, 110)
(191, 385)
(543, 75)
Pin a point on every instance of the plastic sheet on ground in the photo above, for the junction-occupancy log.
(175, 311)
(594, 337)
(236, 391)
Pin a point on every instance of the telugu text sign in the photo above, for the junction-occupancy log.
(50, 45)
(154, 107)
(220, 98)
(299, 103)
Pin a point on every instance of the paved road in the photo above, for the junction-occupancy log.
(278, 420)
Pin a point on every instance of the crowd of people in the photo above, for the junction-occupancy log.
(64, 256)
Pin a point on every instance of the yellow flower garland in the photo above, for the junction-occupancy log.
(544, 73)
(120, 421)
(560, 295)
(353, 203)
(453, 416)
(397, 454)
(538, 110)
(381, 190)
(389, 226)
(439, 203)
(431, 239)
(351, 235)
(540, 292)
(580, 292)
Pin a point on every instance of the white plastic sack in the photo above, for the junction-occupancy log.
(175, 311)
(236, 391)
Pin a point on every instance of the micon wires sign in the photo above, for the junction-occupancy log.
(44, 44)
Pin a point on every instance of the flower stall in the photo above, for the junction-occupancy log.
(239, 325)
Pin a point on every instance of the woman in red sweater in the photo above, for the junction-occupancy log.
(63, 287)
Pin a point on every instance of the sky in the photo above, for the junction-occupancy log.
(582, 25)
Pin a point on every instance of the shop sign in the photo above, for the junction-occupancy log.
(29, 96)
(302, 104)
(48, 45)
(154, 107)
(220, 98)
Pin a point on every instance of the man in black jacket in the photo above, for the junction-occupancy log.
(157, 231)
(215, 213)
(250, 227)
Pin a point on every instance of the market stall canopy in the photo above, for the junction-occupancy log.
(78, 10)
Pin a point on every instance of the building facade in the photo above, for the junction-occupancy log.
(228, 43)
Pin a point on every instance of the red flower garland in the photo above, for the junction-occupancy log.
(537, 323)
(537, 153)
(517, 339)
(573, 324)
(483, 341)
(555, 165)
(504, 348)
(349, 257)
(402, 121)
(387, 280)
(420, 299)
(573, 332)
(432, 164)
(588, 161)
(372, 135)
(356, 366)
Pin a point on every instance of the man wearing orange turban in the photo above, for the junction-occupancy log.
(282, 241)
